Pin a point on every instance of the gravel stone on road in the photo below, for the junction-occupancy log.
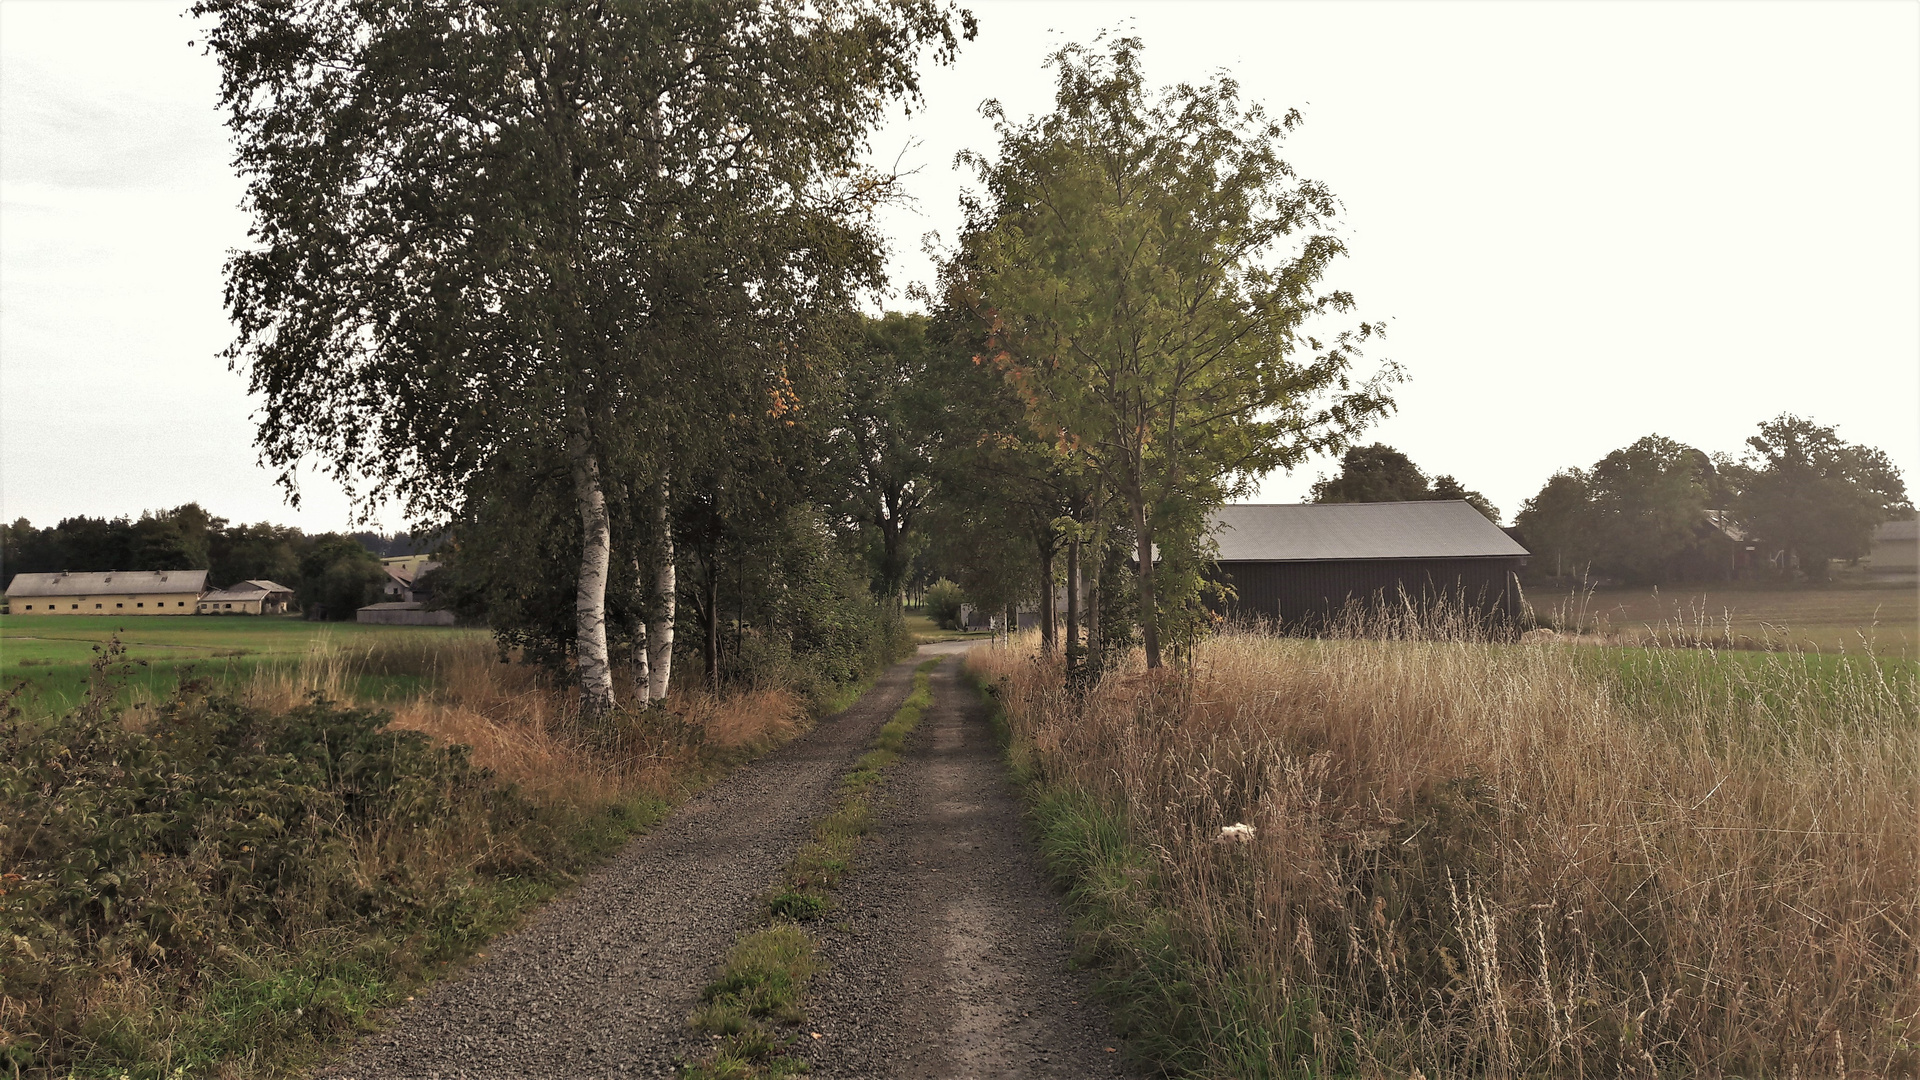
(949, 954)
(601, 981)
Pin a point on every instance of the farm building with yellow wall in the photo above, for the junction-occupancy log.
(115, 592)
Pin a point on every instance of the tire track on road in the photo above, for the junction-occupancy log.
(601, 981)
(950, 957)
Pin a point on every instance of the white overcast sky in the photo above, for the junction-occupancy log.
(1582, 222)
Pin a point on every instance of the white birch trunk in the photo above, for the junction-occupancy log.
(590, 597)
(642, 681)
(660, 634)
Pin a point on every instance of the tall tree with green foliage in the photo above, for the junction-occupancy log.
(887, 426)
(1805, 489)
(1650, 503)
(480, 223)
(1146, 266)
(1379, 473)
(1557, 524)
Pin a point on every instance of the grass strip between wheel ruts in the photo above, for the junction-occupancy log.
(763, 978)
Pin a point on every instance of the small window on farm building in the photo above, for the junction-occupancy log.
(226, 605)
(142, 603)
(116, 605)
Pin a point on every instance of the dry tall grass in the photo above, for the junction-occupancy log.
(527, 731)
(1515, 859)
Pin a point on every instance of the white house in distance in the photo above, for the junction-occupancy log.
(114, 592)
(1895, 551)
(404, 572)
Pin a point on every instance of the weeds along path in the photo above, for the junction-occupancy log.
(948, 956)
(601, 981)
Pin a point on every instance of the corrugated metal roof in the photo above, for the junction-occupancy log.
(109, 583)
(1299, 532)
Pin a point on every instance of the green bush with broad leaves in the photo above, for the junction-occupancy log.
(943, 602)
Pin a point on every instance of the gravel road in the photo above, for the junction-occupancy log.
(950, 954)
(600, 982)
(948, 957)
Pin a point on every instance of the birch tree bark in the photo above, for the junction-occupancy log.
(665, 591)
(637, 633)
(590, 598)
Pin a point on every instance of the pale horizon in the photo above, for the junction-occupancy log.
(1583, 223)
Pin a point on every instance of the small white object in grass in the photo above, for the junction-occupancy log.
(1238, 833)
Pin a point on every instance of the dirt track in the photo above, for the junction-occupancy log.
(953, 957)
(948, 957)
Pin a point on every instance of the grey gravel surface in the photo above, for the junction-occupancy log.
(950, 956)
(600, 983)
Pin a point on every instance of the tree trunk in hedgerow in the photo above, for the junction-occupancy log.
(637, 633)
(1049, 637)
(590, 595)
(660, 633)
(712, 606)
(1073, 606)
(1149, 614)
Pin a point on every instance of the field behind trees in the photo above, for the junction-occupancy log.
(49, 657)
(1849, 618)
(1471, 858)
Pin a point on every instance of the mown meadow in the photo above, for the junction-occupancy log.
(1487, 859)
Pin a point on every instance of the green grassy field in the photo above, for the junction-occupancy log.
(1831, 619)
(48, 657)
(925, 630)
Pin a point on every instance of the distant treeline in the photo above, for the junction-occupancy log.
(337, 571)
(1797, 499)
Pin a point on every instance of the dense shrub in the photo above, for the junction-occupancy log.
(944, 601)
(826, 647)
(165, 854)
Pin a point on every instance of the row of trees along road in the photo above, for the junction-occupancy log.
(499, 246)
(578, 281)
(1145, 269)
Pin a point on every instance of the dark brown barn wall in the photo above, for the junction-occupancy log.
(1299, 595)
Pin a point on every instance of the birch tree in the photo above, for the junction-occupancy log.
(480, 224)
(1147, 268)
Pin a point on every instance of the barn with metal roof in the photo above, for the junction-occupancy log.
(1301, 564)
(115, 592)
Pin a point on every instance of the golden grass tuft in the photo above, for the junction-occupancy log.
(1475, 858)
(528, 731)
